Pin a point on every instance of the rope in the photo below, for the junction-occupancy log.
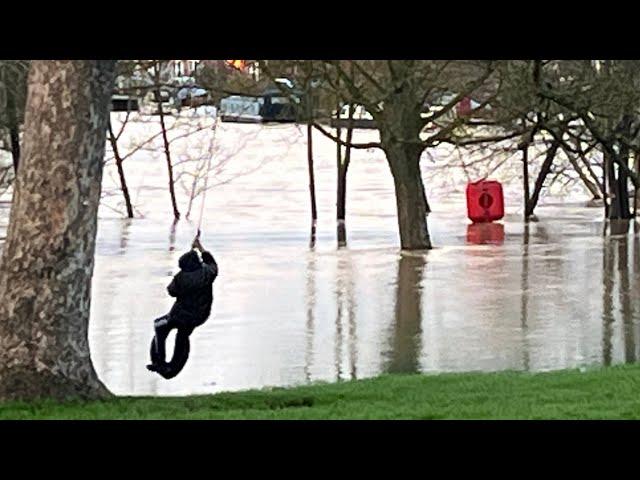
(206, 183)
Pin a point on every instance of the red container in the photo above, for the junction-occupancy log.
(485, 201)
(464, 107)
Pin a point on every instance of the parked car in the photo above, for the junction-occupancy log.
(281, 102)
(124, 103)
(192, 96)
(242, 109)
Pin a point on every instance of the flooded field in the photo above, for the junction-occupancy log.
(552, 295)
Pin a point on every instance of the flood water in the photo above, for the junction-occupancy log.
(553, 295)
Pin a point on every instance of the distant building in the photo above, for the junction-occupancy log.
(188, 68)
(184, 68)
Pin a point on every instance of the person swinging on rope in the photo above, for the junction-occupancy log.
(193, 288)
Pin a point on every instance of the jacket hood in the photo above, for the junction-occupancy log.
(190, 261)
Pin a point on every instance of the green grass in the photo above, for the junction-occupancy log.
(605, 393)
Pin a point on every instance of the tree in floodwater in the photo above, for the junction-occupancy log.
(410, 102)
(157, 69)
(343, 160)
(48, 257)
(604, 97)
(578, 117)
(113, 140)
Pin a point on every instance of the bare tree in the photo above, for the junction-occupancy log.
(167, 150)
(113, 140)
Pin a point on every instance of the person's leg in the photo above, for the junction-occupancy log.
(180, 353)
(162, 328)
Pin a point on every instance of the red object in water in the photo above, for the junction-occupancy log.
(485, 201)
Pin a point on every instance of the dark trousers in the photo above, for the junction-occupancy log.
(163, 326)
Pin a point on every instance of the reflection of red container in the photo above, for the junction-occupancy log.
(485, 233)
(485, 201)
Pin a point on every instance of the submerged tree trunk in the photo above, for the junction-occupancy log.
(13, 122)
(167, 146)
(605, 195)
(588, 183)
(525, 180)
(527, 140)
(400, 126)
(618, 187)
(544, 171)
(623, 185)
(48, 257)
(343, 168)
(411, 200)
(14, 135)
(167, 154)
(123, 181)
(619, 162)
(312, 182)
(636, 168)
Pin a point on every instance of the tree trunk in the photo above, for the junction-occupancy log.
(636, 167)
(48, 257)
(341, 205)
(544, 171)
(592, 173)
(614, 195)
(618, 186)
(400, 126)
(411, 200)
(343, 168)
(14, 128)
(524, 146)
(14, 135)
(312, 183)
(525, 180)
(592, 187)
(123, 181)
(605, 195)
(167, 153)
(623, 185)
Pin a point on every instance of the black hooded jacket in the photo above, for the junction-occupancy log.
(192, 287)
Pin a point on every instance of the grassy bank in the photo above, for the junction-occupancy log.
(608, 393)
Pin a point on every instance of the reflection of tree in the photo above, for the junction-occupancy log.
(353, 353)
(344, 288)
(541, 234)
(311, 303)
(125, 224)
(524, 301)
(620, 229)
(624, 291)
(338, 343)
(124, 236)
(405, 344)
(607, 300)
(172, 236)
